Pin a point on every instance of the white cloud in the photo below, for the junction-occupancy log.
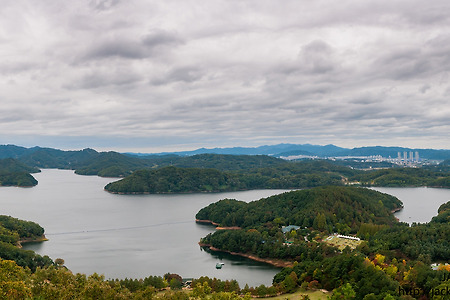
(224, 73)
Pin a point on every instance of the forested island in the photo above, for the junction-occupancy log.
(289, 175)
(389, 258)
(188, 180)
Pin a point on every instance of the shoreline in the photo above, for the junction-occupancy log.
(271, 261)
(206, 222)
(396, 210)
(31, 240)
(218, 227)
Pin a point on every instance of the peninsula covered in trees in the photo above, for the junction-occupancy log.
(283, 175)
(391, 257)
(15, 173)
(186, 180)
(14, 231)
(334, 208)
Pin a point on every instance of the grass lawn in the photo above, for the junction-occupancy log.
(341, 243)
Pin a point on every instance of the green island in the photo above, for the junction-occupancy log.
(288, 175)
(187, 180)
(301, 231)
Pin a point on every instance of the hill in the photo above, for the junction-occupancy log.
(187, 180)
(222, 162)
(55, 158)
(174, 180)
(110, 164)
(397, 177)
(10, 165)
(314, 150)
(15, 173)
(322, 208)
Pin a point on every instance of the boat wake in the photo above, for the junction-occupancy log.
(118, 228)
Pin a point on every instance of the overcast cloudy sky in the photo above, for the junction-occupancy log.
(150, 76)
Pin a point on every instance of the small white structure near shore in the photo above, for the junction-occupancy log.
(348, 237)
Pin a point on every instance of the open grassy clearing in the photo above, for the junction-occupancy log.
(341, 243)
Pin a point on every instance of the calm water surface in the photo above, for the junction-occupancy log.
(130, 236)
(136, 236)
(420, 204)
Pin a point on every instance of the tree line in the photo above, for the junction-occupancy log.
(186, 180)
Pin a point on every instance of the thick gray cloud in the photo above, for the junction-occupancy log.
(157, 75)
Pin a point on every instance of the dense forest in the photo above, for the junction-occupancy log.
(253, 171)
(15, 173)
(391, 262)
(404, 177)
(185, 180)
(175, 180)
(244, 173)
(331, 208)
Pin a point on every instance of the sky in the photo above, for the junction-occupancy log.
(152, 76)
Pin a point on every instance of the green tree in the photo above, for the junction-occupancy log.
(175, 284)
(12, 281)
(344, 292)
(290, 282)
(201, 290)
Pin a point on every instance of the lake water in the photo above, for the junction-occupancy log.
(136, 236)
(130, 236)
(420, 204)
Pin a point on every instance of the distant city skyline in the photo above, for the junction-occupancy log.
(154, 76)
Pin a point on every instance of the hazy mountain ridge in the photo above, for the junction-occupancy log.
(313, 150)
(13, 151)
(114, 164)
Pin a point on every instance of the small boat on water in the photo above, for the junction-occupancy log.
(219, 265)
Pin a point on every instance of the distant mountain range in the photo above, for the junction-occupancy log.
(283, 150)
(280, 150)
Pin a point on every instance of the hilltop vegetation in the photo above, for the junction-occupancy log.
(174, 180)
(15, 173)
(391, 258)
(398, 177)
(332, 208)
(220, 162)
(110, 164)
(10, 165)
(187, 180)
(54, 158)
